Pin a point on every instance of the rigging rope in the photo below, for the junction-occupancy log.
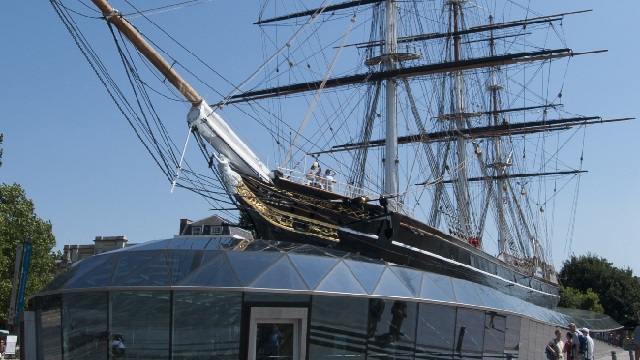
(319, 91)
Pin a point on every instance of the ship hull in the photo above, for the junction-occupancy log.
(292, 212)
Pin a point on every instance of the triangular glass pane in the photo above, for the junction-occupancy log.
(131, 260)
(281, 275)
(341, 280)
(183, 262)
(312, 250)
(412, 279)
(391, 285)
(466, 293)
(490, 297)
(249, 264)
(437, 287)
(154, 272)
(217, 272)
(95, 274)
(152, 245)
(367, 273)
(312, 268)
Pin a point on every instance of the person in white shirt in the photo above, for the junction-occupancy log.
(590, 345)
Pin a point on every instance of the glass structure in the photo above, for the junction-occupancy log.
(231, 298)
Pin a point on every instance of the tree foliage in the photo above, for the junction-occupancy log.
(617, 289)
(575, 299)
(19, 223)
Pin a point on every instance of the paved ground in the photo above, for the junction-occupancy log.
(603, 352)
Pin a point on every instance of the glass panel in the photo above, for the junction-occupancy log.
(390, 285)
(341, 279)
(248, 265)
(152, 245)
(206, 325)
(338, 328)
(368, 274)
(490, 297)
(93, 273)
(129, 261)
(153, 272)
(141, 320)
(49, 341)
(436, 328)
(312, 268)
(396, 337)
(281, 275)
(512, 336)
(84, 326)
(184, 262)
(274, 341)
(215, 273)
(441, 289)
(469, 333)
(494, 333)
(466, 293)
(412, 279)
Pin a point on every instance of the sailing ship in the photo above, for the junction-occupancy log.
(410, 134)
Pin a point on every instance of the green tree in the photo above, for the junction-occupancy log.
(575, 299)
(616, 289)
(19, 223)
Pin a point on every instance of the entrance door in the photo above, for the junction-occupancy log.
(277, 333)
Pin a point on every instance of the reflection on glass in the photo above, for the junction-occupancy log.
(494, 333)
(142, 319)
(436, 328)
(395, 337)
(206, 325)
(469, 333)
(49, 339)
(274, 341)
(512, 336)
(338, 327)
(84, 325)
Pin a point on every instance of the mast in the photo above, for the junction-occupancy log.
(391, 86)
(462, 190)
(499, 164)
(201, 118)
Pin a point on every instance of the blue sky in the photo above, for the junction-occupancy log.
(81, 164)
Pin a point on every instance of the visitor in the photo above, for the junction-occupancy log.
(117, 346)
(556, 346)
(590, 344)
(328, 179)
(567, 346)
(275, 339)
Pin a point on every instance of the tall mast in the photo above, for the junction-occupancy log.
(462, 191)
(499, 163)
(391, 85)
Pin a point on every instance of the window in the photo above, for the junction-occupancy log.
(196, 230)
(216, 230)
(277, 332)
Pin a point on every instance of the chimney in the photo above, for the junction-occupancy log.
(183, 225)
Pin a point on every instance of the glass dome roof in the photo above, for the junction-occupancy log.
(232, 262)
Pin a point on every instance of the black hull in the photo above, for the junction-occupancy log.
(297, 213)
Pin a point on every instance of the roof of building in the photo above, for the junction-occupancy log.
(232, 262)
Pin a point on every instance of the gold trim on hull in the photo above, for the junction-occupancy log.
(286, 220)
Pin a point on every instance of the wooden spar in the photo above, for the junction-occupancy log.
(114, 17)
